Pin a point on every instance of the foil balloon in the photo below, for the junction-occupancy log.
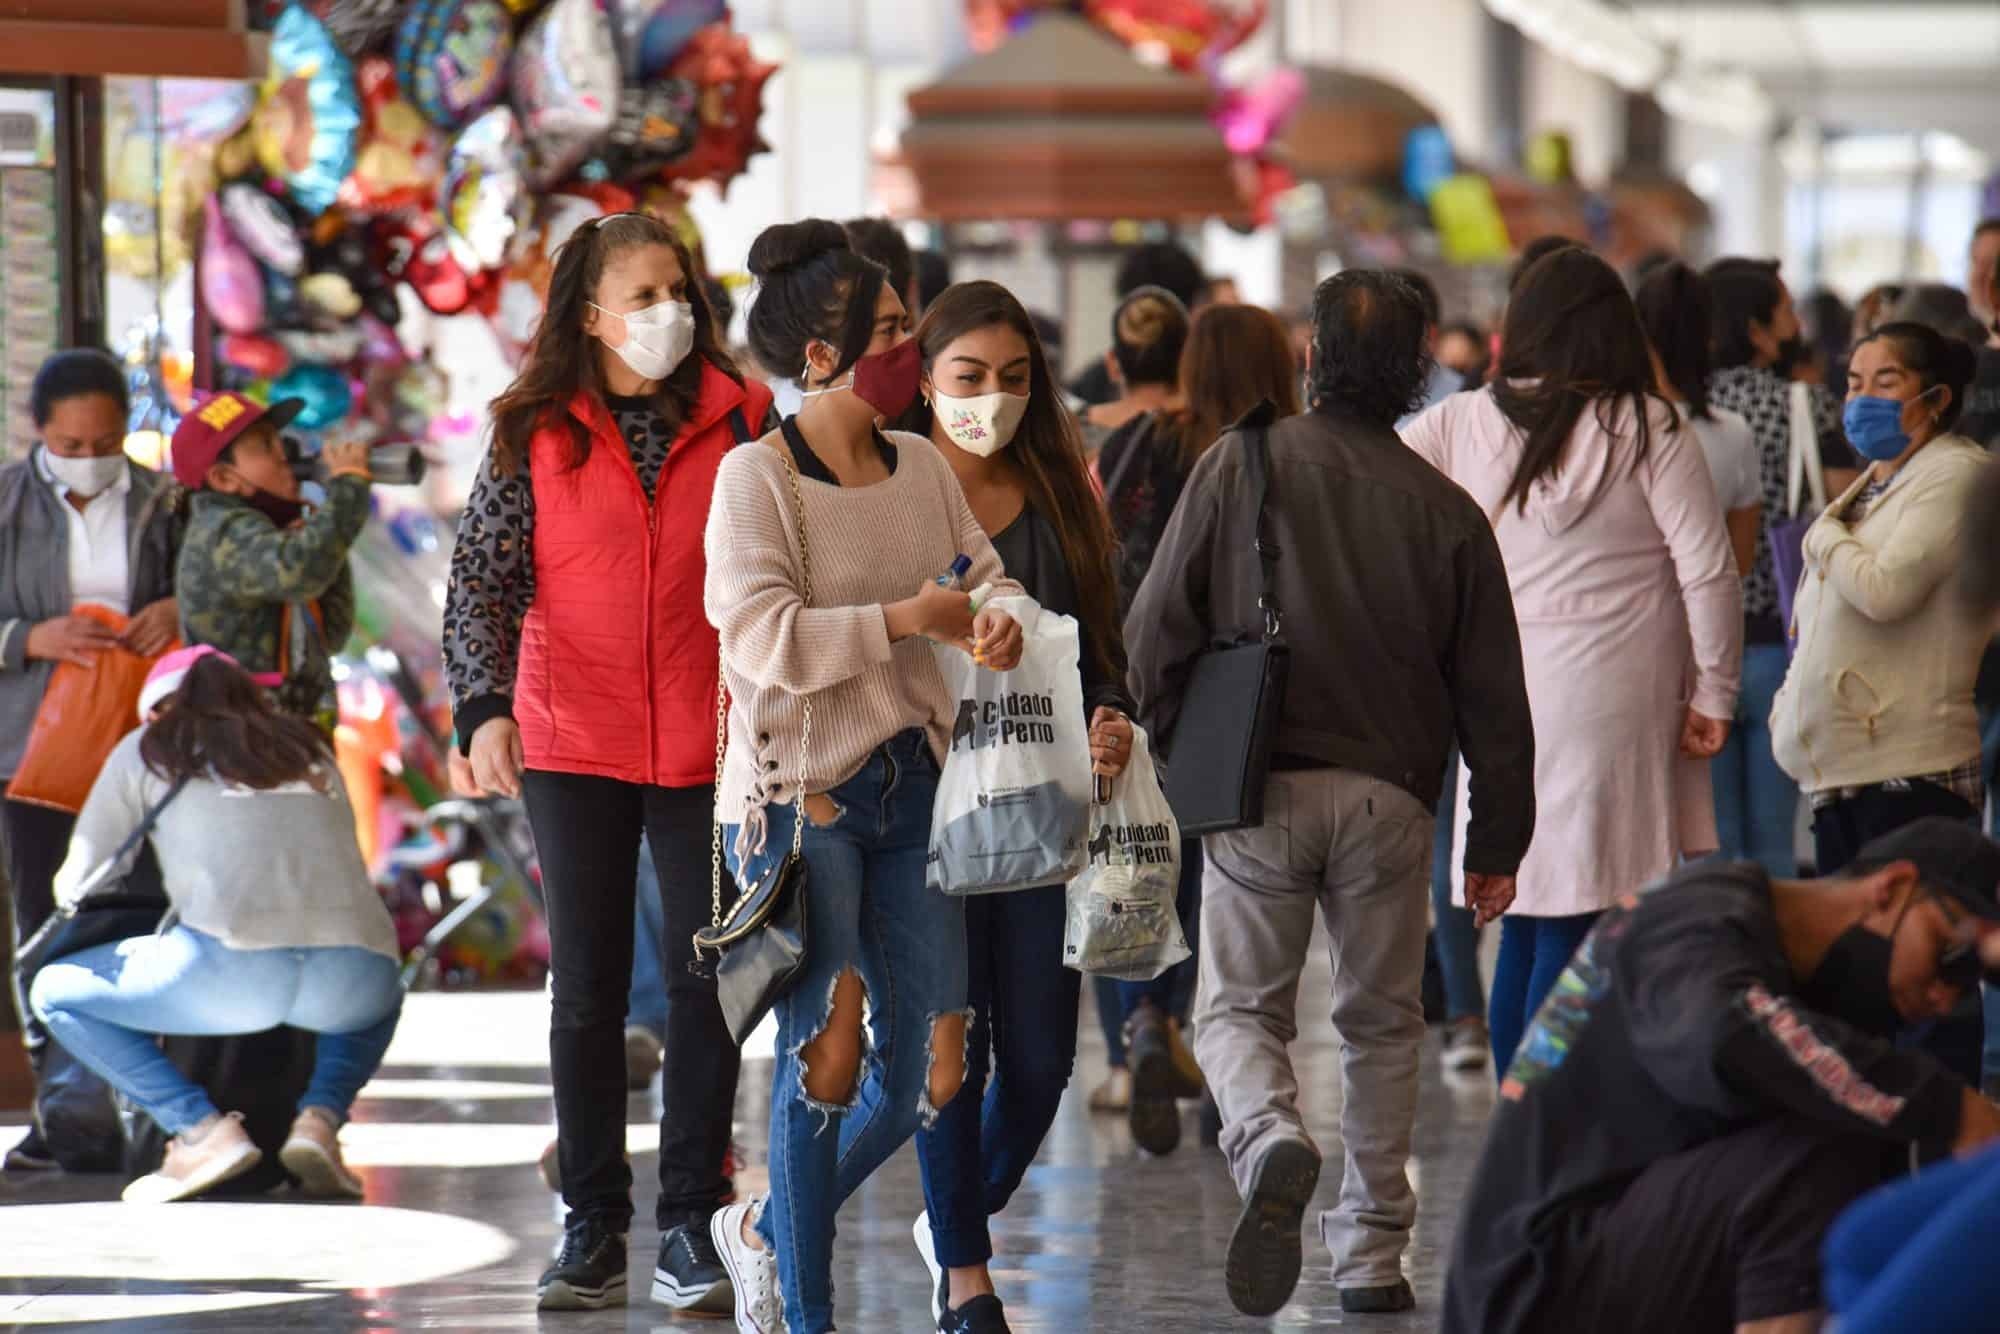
(437, 278)
(451, 57)
(331, 295)
(256, 354)
(231, 287)
(399, 159)
(717, 61)
(1187, 34)
(324, 390)
(329, 346)
(661, 34)
(266, 230)
(205, 110)
(306, 124)
(484, 199)
(566, 87)
(1250, 118)
(658, 124)
(284, 308)
(357, 25)
(1427, 161)
(379, 344)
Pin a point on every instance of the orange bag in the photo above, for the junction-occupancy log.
(85, 713)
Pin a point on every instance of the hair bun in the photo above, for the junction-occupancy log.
(791, 244)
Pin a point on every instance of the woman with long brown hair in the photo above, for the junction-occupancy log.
(583, 673)
(993, 412)
(1628, 600)
(1236, 357)
(273, 921)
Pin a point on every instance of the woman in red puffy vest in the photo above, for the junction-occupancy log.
(583, 676)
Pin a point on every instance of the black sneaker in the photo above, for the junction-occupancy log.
(1385, 1300)
(1154, 1120)
(1265, 1251)
(589, 1272)
(981, 1315)
(32, 1154)
(690, 1276)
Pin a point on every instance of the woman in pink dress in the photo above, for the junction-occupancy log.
(1628, 600)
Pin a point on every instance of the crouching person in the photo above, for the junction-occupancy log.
(272, 920)
(1712, 1081)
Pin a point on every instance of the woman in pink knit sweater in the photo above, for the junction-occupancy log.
(1629, 605)
(818, 535)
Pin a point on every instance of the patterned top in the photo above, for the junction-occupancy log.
(493, 567)
(1763, 398)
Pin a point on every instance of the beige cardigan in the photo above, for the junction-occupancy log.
(1880, 685)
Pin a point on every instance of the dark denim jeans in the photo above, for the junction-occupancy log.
(868, 911)
(1453, 934)
(1533, 953)
(1023, 1036)
(1756, 802)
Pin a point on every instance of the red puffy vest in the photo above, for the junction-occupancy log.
(618, 660)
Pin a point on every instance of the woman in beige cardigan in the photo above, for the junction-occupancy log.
(1875, 720)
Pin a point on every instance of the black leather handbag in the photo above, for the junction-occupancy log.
(762, 940)
(107, 908)
(1220, 748)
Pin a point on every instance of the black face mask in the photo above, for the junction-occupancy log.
(1852, 982)
(276, 508)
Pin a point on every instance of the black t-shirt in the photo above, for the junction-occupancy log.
(809, 464)
(1981, 419)
(1675, 1023)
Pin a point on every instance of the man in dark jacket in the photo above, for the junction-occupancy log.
(1396, 608)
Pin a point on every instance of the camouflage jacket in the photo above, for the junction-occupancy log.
(241, 576)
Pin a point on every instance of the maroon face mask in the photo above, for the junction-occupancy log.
(886, 381)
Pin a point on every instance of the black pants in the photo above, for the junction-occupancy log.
(1840, 831)
(1723, 1234)
(587, 836)
(37, 842)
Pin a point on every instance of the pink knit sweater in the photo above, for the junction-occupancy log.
(871, 545)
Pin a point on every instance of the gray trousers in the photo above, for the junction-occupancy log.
(1358, 850)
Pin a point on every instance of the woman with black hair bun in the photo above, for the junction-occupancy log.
(825, 546)
(1876, 719)
(1149, 331)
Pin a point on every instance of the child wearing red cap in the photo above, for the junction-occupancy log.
(262, 576)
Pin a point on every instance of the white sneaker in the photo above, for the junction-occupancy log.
(927, 1247)
(752, 1273)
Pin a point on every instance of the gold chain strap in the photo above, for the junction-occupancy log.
(805, 721)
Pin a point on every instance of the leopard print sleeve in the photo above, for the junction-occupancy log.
(491, 588)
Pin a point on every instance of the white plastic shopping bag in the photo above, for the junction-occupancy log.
(1015, 793)
(1121, 917)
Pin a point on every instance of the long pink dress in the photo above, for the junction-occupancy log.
(1630, 608)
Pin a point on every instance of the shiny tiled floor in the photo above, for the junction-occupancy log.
(457, 1225)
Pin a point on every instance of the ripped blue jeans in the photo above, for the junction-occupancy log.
(869, 912)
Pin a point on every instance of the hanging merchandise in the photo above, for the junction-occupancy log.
(484, 200)
(415, 251)
(332, 347)
(1427, 161)
(230, 283)
(566, 87)
(1468, 221)
(655, 33)
(451, 57)
(357, 25)
(398, 163)
(255, 354)
(305, 126)
(325, 392)
(266, 230)
(717, 61)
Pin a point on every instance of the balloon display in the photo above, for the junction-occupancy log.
(451, 57)
(566, 87)
(262, 225)
(399, 159)
(324, 389)
(306, 124)
(485, 201)
(231, 287)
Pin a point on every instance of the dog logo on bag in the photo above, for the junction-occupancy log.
(1132, 845)
(1012, 719)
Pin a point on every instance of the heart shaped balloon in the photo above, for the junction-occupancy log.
(566, 87)
(231, 286)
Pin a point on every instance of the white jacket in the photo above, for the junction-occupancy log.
(1880, 685)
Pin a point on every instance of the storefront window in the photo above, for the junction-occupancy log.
(30, 268)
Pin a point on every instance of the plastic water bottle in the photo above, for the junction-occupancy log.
(954, 578)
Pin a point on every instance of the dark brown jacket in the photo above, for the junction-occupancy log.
(1395, 606)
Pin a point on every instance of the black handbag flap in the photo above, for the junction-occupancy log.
(756, 906)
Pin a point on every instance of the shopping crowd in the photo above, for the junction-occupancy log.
(1560, 625)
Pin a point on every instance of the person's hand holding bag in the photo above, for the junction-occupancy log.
(997, 641)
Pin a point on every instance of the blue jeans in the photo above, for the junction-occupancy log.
(1023, 1032)
(868, 911)
(104, 1004)
(1454, 934)
(1904, 1256)
(1756, 802)
(646, 1007)
(1533, 953)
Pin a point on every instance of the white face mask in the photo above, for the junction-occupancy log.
(657, 339)
(983, 424)
(86, 477)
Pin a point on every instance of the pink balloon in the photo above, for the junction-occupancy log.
(379, 344)
(231, 287)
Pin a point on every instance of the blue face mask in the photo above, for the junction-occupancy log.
(1875, 427)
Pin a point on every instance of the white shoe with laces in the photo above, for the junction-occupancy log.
(752, 1273)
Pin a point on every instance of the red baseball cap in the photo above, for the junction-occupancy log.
(204, 433)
